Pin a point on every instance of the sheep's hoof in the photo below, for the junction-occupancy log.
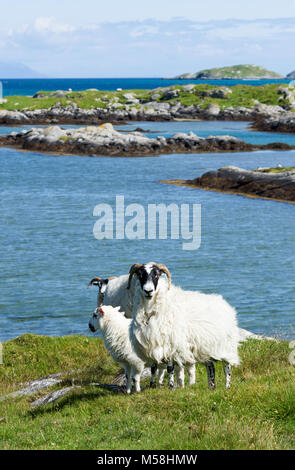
(152, 385)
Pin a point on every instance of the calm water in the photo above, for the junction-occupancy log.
(31, 86)
(48, 252)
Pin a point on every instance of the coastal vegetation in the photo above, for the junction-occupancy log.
(198, 95)
(256, 413)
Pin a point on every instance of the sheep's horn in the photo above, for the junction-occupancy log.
(134, 268)
(97, 279)
(165, 270)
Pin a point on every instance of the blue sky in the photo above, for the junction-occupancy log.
(156, 38)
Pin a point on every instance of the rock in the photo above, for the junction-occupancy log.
(155, 96)
(289, 94)
(279, 186)
(220, 93)
(3, 100)
(267, 109)
(188, 88)
(212, 110)
(284, 122)
(170, 94)
(130, 98)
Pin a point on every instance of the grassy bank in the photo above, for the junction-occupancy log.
(242, 95)
(257, 413)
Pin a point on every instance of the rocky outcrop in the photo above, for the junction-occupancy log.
(105, 140)
(277, 123)
(150, 111)
(278, 186)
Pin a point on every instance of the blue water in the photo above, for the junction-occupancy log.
(31, 86)
(48, 252)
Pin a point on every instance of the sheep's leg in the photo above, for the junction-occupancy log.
(179, 372)
(170, 370)
(227, 373)
(191, 374)
(211, 375)
(137, 381)
(128, 373)
(154, 369)
(161, 377)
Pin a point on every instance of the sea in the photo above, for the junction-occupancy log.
(48, 251)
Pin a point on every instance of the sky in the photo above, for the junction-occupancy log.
(94, 38)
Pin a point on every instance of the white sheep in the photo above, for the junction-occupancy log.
(114, 328)
(183, 327)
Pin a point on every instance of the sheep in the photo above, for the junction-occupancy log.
(183, 327)
(114, 327)
(113, 291)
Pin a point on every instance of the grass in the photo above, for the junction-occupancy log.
(257, 413)
(242, 95)
(276, 169)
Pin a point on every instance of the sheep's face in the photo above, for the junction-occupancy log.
(99, 313)
(148, 276)
(94, 320)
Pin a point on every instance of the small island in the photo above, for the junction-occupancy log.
(234, 72)
(104, 140)
(268, 183)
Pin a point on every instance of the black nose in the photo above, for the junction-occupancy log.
(148, 292)
(91, 327)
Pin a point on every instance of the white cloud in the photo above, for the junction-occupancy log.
(51, 25)
(143, 31)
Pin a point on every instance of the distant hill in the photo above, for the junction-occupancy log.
(234, 72)
(291, 75)
(17, 70)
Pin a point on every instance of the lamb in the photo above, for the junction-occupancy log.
(183, 327)
(114, 327)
